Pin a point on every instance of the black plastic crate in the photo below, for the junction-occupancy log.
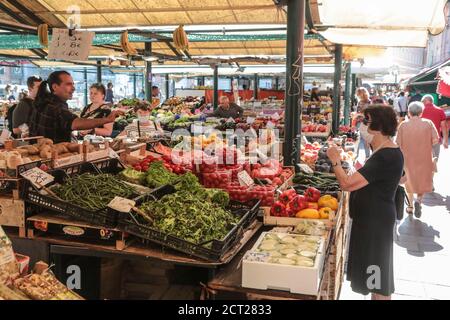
(111, 166)
(248, 213)
(104, 217)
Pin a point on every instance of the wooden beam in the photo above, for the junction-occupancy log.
(12, 14)
(164, 10)
(26, 11)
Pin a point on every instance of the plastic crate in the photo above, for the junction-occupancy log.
(104, 217)
(218, 247)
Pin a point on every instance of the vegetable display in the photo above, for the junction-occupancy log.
(325, 183)
(192, 213)
(93, 192)
(290, 249)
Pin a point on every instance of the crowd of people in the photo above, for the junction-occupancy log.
(402, 143)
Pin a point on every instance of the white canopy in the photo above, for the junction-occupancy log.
(389, 23)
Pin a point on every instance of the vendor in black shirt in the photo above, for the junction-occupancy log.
(22, 112)
(51, 117)
(227, 109)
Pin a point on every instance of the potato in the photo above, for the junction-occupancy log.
(73, 147)
(27, 160)
(60, 149)
(23, 152)
(42, 142)
(32, 150)
(46, 152)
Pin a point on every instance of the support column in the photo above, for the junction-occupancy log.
(336, 88)
(256, 87)
(277, 83)
(348, 84)
(216, 87)
(134, 85)
(99, 71)
(167, 83)
(294, 80)
(86, 101)
(148, 72)
(353, 88)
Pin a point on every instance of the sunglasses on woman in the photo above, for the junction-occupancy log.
(366, 121)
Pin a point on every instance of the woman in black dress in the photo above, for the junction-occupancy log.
(372, 207)
(98, 108)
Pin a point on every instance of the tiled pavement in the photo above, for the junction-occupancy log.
(422, 247)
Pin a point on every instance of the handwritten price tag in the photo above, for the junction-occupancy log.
(245, 179)
(67, 47)
(250, 120)
(38, 177)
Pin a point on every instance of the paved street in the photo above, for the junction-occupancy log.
(422, 247)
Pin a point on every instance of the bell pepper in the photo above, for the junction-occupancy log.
(308, 214)
(329, 201)
(278, 210)
(312, 194)
(297, 204)
(312, 205)
(287, 196)
(325, 213)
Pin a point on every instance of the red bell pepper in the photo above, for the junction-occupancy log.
(312, 194)
(287, 196)
(278, 210)
(297, 204)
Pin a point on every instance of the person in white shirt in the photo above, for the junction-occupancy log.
(401, 105)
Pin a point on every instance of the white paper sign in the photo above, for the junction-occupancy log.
(122, 204)
(257, 104)
(5, 135)
(275, 116)
(230, 120)
(66, 47)
(245, 179)
(250, 120)
(38, 177)
(270, 125)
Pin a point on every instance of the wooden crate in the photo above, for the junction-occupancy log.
(12, 214)
(101, 152)
(288, 221)
(51, 225)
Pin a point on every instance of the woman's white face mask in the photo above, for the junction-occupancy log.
(365, 133)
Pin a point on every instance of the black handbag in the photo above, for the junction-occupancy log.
(400, 200)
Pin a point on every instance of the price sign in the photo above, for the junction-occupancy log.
(270, 125)
(122, 204)
(5, 135)
(245, 179)
(73, 47)
(250, 120)
(275, 116)
(257, 104)
(38, 177)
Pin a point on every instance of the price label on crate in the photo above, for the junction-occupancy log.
(250, 120)
(245, 179)
(38, 177)
(275, 116)
(122, 204)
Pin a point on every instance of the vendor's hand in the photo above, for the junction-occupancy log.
(84, 132)
(334, 154)
(113, 115)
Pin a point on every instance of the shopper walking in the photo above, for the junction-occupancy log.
(110, 94)
(363, 102)
(372, 206)
(402, 105)
(416, 137)
(439, 119)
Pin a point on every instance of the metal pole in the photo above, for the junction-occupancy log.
(85, 87)
(148, 72)
(348, 101)
(216, 86)
(294, 80)
(277, 83)
(353, 88)
(99, 71)
(336, 88)
(167, 86)
(256, 87)
(134, 85)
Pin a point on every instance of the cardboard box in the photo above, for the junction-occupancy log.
(297, 279)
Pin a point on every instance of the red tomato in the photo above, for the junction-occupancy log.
(138, 168)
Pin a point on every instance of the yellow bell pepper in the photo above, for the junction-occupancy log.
(325, 213)
(329, 202)
(308, 214)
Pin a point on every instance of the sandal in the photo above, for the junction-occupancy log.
(409, 210)
(417, 209)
